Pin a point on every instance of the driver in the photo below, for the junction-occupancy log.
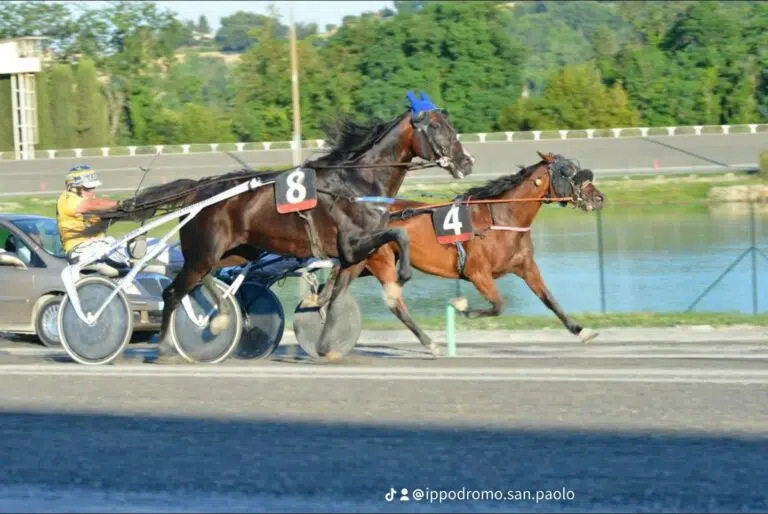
(80, 228)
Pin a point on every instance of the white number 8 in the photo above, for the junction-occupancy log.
(452, 221)
(296, 191)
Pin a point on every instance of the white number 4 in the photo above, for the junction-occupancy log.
(452, 221)
(296, 191)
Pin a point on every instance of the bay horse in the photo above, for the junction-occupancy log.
(365, 162)
(502, 212)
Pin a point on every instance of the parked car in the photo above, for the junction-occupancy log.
(31, 261)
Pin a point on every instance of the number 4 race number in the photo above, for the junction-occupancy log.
(296, 191)
(453, 224)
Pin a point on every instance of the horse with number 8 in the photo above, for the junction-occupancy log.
(485, 234)
(327, 208)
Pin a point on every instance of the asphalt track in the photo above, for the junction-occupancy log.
(675, 425)
(606, 156)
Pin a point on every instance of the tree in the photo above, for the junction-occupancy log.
(46, 130)
(575, 98)
(236, 31)
(62, 108)
(90, 107)
(129, 42)
(202, 25)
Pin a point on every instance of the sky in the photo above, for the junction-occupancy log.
(307, 11)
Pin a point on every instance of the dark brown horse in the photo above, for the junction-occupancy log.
(365, 161)
(501, 218)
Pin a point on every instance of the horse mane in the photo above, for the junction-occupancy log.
(350, 139)
(498, 186)
(175, 194)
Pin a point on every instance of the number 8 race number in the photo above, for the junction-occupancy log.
(296, 191)
(453, 224)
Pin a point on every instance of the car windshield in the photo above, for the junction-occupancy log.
(45, 232)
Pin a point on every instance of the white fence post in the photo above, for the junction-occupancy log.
(482, 137)
(697, 129)
(293, 145)
(51, 154)
(644, 131)
(159, 148)
(509, 135)
(131, 150)
(671, 130)
(240, 146)
(78, 152)
(105, 151)
(214, 146)
(320, 143)
(563, 134)
(616, 132)
(726, 129)
(266, 145)
(590, 133)
(185, 148)
(753, 128)
(536, 135)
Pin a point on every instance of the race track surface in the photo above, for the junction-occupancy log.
(606, 156)
(622, 426)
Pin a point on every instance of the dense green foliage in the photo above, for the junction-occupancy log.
(129, 73)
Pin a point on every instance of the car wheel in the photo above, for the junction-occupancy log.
(46, 322)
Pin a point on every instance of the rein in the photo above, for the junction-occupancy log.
(411, 211)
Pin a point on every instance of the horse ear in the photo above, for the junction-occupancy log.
(412, 100)
(548, 157)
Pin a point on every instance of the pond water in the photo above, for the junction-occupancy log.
(655, 261)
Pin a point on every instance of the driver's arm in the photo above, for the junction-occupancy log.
(95, 205)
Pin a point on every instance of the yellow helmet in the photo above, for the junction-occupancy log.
(82, 176)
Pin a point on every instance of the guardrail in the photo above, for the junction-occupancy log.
(483, 137)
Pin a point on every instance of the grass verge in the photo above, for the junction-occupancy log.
(609, 320)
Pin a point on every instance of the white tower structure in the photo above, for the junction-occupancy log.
(20, 58)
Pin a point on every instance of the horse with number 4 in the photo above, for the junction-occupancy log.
(484, 234)
(328, 208)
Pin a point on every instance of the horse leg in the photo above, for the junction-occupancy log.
(486, 286)
(354, 249)
(220, 320)
(321, 300)
(340, 286)
(533, 278)
(381, 265)
(184, 282)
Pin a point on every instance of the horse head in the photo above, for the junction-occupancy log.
(568, 179)
(434, 137)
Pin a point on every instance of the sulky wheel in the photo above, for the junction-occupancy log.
(263, 321)
(199, 344)
(308, 324)
(107, 338)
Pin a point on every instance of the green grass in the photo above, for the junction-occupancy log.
(609, 320)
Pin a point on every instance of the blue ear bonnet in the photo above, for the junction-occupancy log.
(420, 104)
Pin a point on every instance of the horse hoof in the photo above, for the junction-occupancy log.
(219, 324)
(460, 303)
(333, 356)
(436, 353)
(586, 335)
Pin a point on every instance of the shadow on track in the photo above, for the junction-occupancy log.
(332, 463)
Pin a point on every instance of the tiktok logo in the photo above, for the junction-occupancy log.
(390, 496)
